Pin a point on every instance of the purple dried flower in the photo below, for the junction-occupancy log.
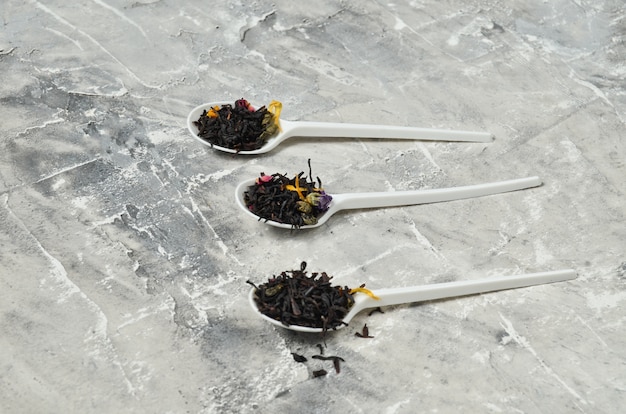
(320, 200)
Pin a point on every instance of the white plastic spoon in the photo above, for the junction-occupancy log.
(292, 129)
(398, 296)
(350, 201)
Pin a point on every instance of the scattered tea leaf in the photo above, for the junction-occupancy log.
(319, 373)
(321, 348)
(365, 332)
(298, 357)
(336, 365)
(378, 309)
(335, 360)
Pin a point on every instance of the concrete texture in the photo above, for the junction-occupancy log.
(123, 258)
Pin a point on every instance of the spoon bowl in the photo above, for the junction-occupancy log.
(350, 201)
(291, 129)
(398, 296)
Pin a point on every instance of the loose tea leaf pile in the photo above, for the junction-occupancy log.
(239, 127)
(295, 201)
(294, 298)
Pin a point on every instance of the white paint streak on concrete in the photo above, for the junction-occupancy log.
(66, 37)
(507, 325)
(166, 305)
(374, 259)
(97, 335)
(95, 42)
(216, 237)
(42, 126)
(428, 155)
(392, 409)
(423, 241)
(586, 325)
(66, 169)
(122, 16)
(605, 300)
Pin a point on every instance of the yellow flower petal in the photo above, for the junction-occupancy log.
(212, 113)
(275, 108)
(296, 188)
(366, 291)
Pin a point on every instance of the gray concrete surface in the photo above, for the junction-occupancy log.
(123, 259)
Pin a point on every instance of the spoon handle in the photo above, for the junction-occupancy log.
(397, 296)
(405, 198)
(338, 129)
